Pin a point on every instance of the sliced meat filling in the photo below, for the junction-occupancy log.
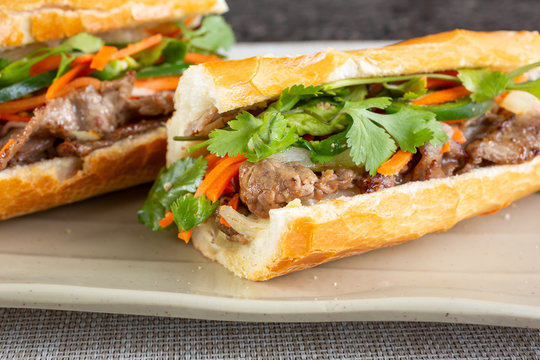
(271, 184)
(496, 138)
(84, 120)
(509, 139)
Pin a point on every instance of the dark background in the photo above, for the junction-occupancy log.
(290, 20)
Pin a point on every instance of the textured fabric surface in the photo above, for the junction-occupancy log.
(45, 334)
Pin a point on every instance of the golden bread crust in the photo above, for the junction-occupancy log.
(27, 21)
(58, 181)
(333, 229)
(245, 82)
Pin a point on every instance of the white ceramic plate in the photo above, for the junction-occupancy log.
(94, 256)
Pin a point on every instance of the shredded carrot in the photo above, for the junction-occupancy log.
(439, 83)
(63, 80)
(6, 147)
(15, 106)
(138, 46)
(83, 59)
(102, 58)
(161, 83)
(212, 160)
(445, 148)
(185, 235)
(442, 96)
(232, 203)
(15, 117)
(214, 183)
(499, 98)
(49, 63)
(458, 136)
(167, 219)
(196, 58)
(454, 121)
(216, 180)
(229, 188)
(393, 165)
(521, 79)
(78, 83)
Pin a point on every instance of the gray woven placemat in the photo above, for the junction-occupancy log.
(44, 334)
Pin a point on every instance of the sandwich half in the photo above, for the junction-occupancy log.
(281, 164)
(86, 88)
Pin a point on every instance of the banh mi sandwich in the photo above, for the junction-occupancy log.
(309, 159)
(86, 88)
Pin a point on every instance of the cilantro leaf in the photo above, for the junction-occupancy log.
(323, 151)
(407, 126)
(172, 51)
(189, 211)
(273, 136)
(369, 143)
(213, 34)
(182, 177)
(291, 96)
(83, 42)
(235, 141)
(484, 84)
(317, 117)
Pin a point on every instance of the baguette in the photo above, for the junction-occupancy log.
(25, 22)
(131, 160)
(296, 236)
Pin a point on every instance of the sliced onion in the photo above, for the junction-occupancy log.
(520, 102)
(86, 135)
(12, 125)
(244, 225)
(342, 160)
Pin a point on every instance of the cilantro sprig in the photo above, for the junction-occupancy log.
(371, 129)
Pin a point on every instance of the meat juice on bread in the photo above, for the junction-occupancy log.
(86, 89)
(280, 164)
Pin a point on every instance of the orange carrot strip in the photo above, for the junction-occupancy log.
(215, 182)
(458, 136)
(166, 29)
(499, 98)
(138, 46)
(442, 96)
(393, 165)
(78, 83)
(521, 78)
(102, 58)
(454, 121)
(185, 235)
(158, 83)
(16, 106)
(445, 148)
(217, 175)
(218, 187)
(167, 219)
(212, 160)
(6, 147)
(49, 63)
(83, 59)
(15, 117)
(63, 80)
(196, 58)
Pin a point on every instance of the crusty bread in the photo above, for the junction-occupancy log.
(45, 184)
(27, 21)
(298, 237)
